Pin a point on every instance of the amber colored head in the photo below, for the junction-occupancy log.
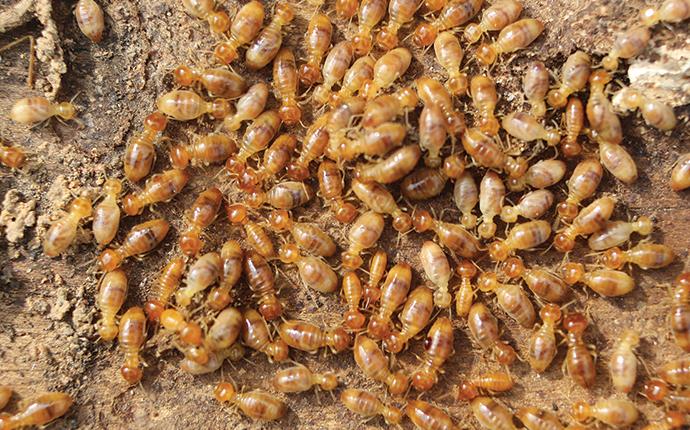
(505, 354)
(224, 392)
(581, 411)
(156, 122)
(683, 280)
(218, 299)
(279, 350)
(567, 210)
(153, 309)
(613, 258)
(190, 244)
(378, 328)
(351, 261)
(424, 379)
(486, 54)
(572, 273)
(466, 269)
(345, 212)
(107, 332)
(131, 204)
(109, 260)
(131, 374)
(387, 39)
(453, 166)
(550, 313)
(514, 267)
(236, 213)
(498, 250)
(392, 415)
(309, 74)
(467, 391)
(220, 108)
(394, 343)
(289, 253)
(575, 322)
(219, 22)
(338, 339)
(571, 149)
(422, 220)
(66, 110)
(354, 319)
(297, 171)
(563, 242)
(179, 157)
(271, 309)
(14, 157)
(290, 113)
(191, 334)
(362, 44)
(225, 53)
(656, 390)
(183, 75)
(398, 383)
(284, 12)
(280, 219)
(599, 78)
(424, 34)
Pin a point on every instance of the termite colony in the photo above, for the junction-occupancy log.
(343, 121)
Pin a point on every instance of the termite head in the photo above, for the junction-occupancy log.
(309, 74)
(387, 39)
(179, 157)
(581, 411)
(467, 391)
(224, 392)
(131, 374)
(425, 34)
(362, 43)
(378, 327)
(109, 260)
(66, 110)
(270, 309)
(153, 310)
(338, 339)
(131, 204)
(107, 331)
(354, 319)
(486, 54)
(424, 379)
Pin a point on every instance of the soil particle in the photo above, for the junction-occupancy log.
(16, 215)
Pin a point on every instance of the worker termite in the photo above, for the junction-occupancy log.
(12, 156)
(225, 330)
(140, 152)
(484, 98)
(334, 68)
(493, 382)
(364, 233)
(202, 213)
(432, 134)
(623, 362)
(314, 145)
(495, 18)
(626, 46)
(346, 9)
(131, 337)
(377, 268)
(532, 205)
(590, 220)
(438, 346)
(289, 195)
(542, 174)
(62, 232)
(607, 282)
(491, 195)
(89, 17)
(106, 215)
(582, 184)
(535, 84)
(680, 175)
(680, 311)
(392, 168)
(437, 270)
(245, 26)
(574, 121)
(374, 364)
(511, 298)
(655, 113)
(521, 237)
(387, 69)
(466, 196)
(602, 119)
(32, 110)
(161, 187)
(248, 107)
(331, 188)
(307, 337)
(256, 138)
(618, 162)
(512, 38)
(483, 149)
(352, 291)
(317, 40)
(385, 108)
(426, 416)
(255, 234)
(613, 412)
(525, 127)
(544, 284)
(579, 361)
(112, 294)
(256, 336)
(672, 11)
(464, 295)
(218, 21)
(370, 13)
(232, 255)
(189, 333)
(400, 12)
(484, 330)
(266, 45)
(368, 405)
(203, 273)
(314, 272)
(393, 294)
(275, 159)
(453, 14)
(542, 343)
(38, 411)
(141, 239)
(218, 82)
(453, 236)
(164, 287)
(215, 360)
(184, 105)
(574, 76)
(431, 92)
(285, 83)
(257, 405)
(261, 281)
(338, 122)
(306, 235)
(380, 200)
(644, 255)
(491, 414)
(414, 317)
(297, 379)
(426, 182)
(676, 372)
(361, 72)
(657, 390)
(209, 149)
(374, 141)
(538, 419)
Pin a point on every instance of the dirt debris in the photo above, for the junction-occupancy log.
(16, 215)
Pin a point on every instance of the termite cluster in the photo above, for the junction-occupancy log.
(375, 143)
